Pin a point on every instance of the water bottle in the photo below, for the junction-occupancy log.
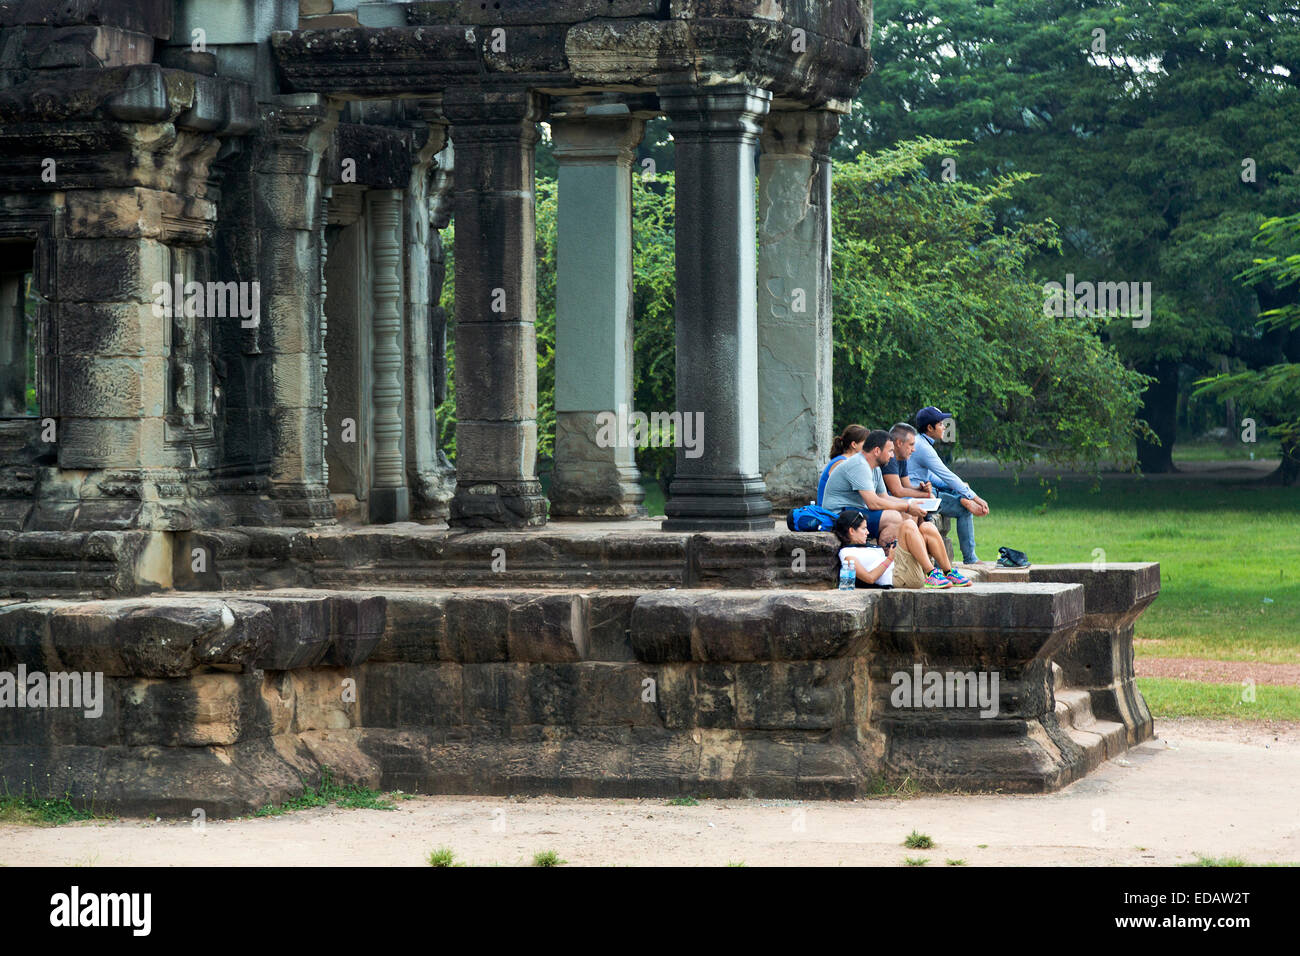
(848, 576)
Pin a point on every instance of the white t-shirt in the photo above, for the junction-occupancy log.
(868, 559)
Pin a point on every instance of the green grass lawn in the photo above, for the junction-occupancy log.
(1185, 698)
(1234, 451)
(1229, 555)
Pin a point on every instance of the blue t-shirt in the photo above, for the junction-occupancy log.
(826, 473)
(847, 480)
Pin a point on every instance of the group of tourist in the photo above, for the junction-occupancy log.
(884, 485)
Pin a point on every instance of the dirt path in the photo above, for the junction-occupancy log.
(1218, 672)
(1214, 788)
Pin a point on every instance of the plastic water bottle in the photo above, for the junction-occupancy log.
(848, 576)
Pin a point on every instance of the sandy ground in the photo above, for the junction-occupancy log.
(1213, 788)
(1219, 672)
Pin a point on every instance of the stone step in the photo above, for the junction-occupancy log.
(1100, 740)
(1076, 705)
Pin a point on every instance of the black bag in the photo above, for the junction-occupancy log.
(1011, 558)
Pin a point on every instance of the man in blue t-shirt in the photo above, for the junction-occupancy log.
(857, 483)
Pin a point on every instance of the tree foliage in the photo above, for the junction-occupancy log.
(936, 305)
(1162, 135)
(1272, 392)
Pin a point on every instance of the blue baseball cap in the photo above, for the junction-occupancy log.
(929, 416)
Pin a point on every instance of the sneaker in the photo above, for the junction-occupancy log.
(937, 579)
(958, 579)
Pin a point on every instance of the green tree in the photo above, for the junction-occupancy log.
(1161, 132)
(935, 304)
(1272, 393)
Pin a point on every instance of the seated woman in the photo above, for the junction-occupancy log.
(842, 446)
(851, 531)
(874, 566)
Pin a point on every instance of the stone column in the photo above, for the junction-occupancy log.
(717, 485)
(495, 134)
(594, 144)
(794, 303)
(290, 216)
(389, 498)
(428, 473)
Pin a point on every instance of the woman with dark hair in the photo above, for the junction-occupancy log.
(874, 567)
(851, 530)
(849, 442)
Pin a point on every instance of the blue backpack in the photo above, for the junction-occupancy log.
(810, 518)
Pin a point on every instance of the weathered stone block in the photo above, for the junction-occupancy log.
(296, 380)
(322, 700)
(110, 270)
(496, 694)
(110, 443)
(301, 636)
(98, 387)
(486, 449)
(662, 628)
(131, 213)
(482, 619)
(157, 637)
(550, 627)
(609, 625)
(499, 377)
(108, 329)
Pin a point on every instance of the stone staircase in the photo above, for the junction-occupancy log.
(1100, 739)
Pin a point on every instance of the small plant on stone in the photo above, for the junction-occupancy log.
(548, 858)
(350, 797)
(955, 862)
(918, 841)
(43, 811)
(443, 856)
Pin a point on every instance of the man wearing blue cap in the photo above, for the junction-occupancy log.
(957, 499)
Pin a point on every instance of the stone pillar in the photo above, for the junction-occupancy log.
(428, 473)
(593, 313)
(290, 216)
(495, 134)
(717, 485)
(794, 303)
(389, 498)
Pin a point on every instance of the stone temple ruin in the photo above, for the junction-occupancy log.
(221, 363)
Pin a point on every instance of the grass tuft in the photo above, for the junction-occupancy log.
(443, 856)
(548, 858)
(350, 797)
(918, 841)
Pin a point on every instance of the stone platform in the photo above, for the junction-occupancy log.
(590, 662)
